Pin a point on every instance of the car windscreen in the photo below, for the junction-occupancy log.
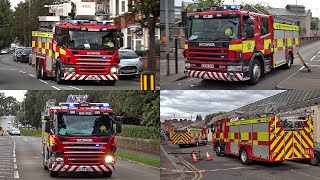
(27, 51)
(128, 55)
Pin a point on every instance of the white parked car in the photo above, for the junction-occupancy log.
(130, 63)
(14, 131)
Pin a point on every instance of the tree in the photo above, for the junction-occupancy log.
(5, 17)
(149, 10)
(204, 3)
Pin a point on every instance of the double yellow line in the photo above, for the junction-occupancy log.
(197, 175)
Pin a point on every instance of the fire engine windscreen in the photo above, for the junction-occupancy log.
(84, 125)
(87, 40)
(214, 29)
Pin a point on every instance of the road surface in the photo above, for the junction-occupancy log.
(230, 167)
(16, 76)
(20, 157)
(279, 76)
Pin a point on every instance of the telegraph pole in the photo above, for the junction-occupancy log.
(167, 35)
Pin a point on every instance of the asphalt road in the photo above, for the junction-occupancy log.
(20, 157)
(270, 81)
(16, 76)
(231, 168)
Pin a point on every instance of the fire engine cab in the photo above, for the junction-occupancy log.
(237, 43)
(79, 136)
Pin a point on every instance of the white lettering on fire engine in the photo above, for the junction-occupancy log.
(207, 44)
(93, 53)
(84, 140)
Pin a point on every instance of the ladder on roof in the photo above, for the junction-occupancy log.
(77, 98)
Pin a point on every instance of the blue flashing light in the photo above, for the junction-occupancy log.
(74, 22)
(224, 7)
(71, 105)
(222, 56)
(233, 7)
(97, 145)
(106, 105)
(104, 57)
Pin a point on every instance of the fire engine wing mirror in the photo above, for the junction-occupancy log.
(47, 127)
(121, 42)
(118, 127)
(61, 40)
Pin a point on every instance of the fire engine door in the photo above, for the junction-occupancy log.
(292, 144)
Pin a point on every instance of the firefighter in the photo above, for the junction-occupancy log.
(101, 125)
(107, 41)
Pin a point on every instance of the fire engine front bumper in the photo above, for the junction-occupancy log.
(216, 75)
(78, 77)
(89, 168)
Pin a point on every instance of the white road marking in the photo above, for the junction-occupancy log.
(14, 160)
(55, 88)
(315, 65)
(15, 166)
(16, 175)
(312, 58)
(22, 72)
(35, 157)
(75, 88)
(25, 139)
(43, 81)
(32, 75)
(305, 174)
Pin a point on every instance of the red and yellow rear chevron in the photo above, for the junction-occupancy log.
(276, 140)
(180, 137)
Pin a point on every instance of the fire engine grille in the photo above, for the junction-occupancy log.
(92, 69)
(77, 154)
(93, 63)
(209, 59)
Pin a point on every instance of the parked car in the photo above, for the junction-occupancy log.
(130, 63)
(17, 53)
(14, 131)
(24, 55)
(316, 159)
(4, 51)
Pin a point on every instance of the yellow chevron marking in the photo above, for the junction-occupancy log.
(297, 150)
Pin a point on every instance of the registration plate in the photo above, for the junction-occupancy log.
(84, 169)
(207, 65)
(128, 71)
(93, 78)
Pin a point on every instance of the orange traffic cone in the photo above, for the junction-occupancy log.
(208, 156)
(194, 157)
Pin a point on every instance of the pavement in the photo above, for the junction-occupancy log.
(227, 167)
(22, 76)
(296, 77)
(20, 158)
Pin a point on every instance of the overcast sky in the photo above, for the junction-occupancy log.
(18, 94)
(186, 103)
(314, 5)
(15, 2)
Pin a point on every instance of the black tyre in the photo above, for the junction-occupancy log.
(109, 83)
(45, 167)
(107, 174)
(204, 142)
(255, 72)
(244, 157)
(181, 145)
(59, 75)
(289, 63)
(53, 173)
(218, 150)
(42, 73)
(314, 161)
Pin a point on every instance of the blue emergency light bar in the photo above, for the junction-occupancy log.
(218, 8)
(102, 105)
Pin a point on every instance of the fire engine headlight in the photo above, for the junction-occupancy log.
(114, 70)
(69, 70)
(234, 68)
(187, 66)
(108, 159)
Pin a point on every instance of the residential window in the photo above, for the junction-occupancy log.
(123, 6)
(264, 26)
(117, 7)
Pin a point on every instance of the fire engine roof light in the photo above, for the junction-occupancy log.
(106, 104)
(71, 104)
(233, 7)
(224, 7)
(97, 145)
(73, 21)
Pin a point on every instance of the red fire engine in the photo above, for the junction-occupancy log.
(76, 49)
(79, 136)
(269, 139)
(235, 43)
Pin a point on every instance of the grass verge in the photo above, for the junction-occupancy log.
(139, 158)
(26, 132)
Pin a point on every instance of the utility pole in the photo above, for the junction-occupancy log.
(29, 26)
(167, 35)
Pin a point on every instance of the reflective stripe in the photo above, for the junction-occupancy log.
(287, 27)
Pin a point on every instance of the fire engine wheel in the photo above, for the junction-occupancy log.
(315, 160)
(107, 174)
(45, 167)
(255, 72)
(58, 75)
(204, 142)
(53, 173)
(288, 65)
(218, 150)
(244, 156)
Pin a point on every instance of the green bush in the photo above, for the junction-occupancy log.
(142, 132)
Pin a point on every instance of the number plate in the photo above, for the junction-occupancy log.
(93, 78)
(128, 71)
(84, 169)
(207, 65)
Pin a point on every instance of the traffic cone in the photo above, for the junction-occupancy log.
(194, 157)
(208, 156)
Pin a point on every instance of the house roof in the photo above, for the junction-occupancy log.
(287, 12)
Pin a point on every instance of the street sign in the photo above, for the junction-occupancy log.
(171, 9)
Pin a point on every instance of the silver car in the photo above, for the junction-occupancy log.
(130, 63)
(14, 131)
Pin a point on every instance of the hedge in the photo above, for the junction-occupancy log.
(142, 132)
